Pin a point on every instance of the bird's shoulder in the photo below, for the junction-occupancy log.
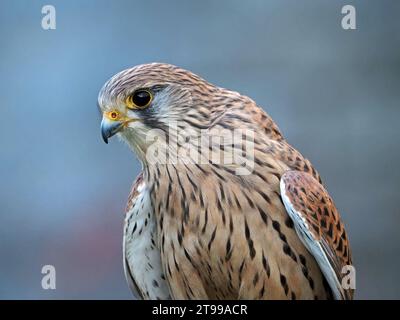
(241, 112)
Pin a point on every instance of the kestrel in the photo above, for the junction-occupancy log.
(260, 226)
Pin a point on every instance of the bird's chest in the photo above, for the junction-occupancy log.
(227, 238)
(142, 257)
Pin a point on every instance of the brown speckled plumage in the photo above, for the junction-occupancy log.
(220, 235)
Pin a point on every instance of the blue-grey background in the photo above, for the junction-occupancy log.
(335, 95)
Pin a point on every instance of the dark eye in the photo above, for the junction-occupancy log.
(139, 99)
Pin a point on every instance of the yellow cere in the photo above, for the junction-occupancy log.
(113, 115)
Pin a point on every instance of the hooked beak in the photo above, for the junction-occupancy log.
(110, 127)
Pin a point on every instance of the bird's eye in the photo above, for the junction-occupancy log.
(140, 99)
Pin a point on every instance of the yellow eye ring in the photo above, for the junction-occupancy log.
(140, 99)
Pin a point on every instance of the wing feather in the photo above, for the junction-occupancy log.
(318, 225)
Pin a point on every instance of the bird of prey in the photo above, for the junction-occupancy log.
(262, 226)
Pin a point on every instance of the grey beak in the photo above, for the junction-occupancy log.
(109, 128)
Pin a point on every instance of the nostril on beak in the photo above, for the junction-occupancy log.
(109, 128)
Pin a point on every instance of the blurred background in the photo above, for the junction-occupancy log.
(334, 93)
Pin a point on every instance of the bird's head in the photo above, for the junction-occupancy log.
(167, 115)
(147, 99)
